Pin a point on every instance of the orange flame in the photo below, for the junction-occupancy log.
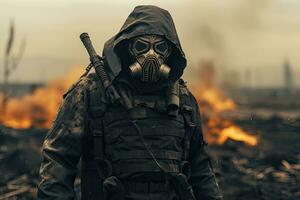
(214, 98)
(39, 108)
(236, 133)
(213, 103)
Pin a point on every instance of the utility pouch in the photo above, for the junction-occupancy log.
(182, 187)
(113, 189)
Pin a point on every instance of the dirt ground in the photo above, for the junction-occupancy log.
(268, 171)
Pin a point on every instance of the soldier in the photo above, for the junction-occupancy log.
(153, 148)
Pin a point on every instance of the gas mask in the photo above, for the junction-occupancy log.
(150, 53)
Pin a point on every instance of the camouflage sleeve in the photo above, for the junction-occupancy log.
(62, 148)
(202, 177)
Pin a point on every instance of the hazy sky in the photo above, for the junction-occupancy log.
(240, 35)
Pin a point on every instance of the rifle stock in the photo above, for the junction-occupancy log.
(98, 64)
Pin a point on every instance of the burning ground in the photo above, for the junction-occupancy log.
(39, 108)
(255, 156)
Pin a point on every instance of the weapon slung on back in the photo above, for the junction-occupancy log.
(98, 64)
(95, 59)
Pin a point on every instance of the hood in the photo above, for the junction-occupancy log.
(145, 20)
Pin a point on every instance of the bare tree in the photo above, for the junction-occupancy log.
(11, 61)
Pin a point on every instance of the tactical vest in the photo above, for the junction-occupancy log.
(121, 138)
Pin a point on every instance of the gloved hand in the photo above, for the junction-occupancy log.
(182, 187)
(113, 189)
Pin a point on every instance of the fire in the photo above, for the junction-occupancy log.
(214, 98)
(39, 108)
(218, 130)
(213, 104)
(237, 134)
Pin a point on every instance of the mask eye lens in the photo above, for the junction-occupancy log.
(161, 48)
(140, 46)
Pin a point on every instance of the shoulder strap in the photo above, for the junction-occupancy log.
(96, 107)
(187, 110)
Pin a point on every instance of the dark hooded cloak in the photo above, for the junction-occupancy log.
(72, 135)
(141, 21)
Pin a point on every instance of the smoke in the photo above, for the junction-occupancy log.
(220, 31)
(249, 13)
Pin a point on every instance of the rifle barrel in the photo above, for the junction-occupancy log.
(85, 38)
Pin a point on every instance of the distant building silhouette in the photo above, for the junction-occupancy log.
(248, 79)
(288, 76)
(19, 89)
(207, 73)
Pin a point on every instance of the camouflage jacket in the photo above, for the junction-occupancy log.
(62, 150)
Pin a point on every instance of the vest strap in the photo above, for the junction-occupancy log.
(156, 103)
(146, 187)
(188, 114)
(144, 167)
(143, 154)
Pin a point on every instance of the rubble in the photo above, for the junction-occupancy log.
(19, 162)
(268, 171)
